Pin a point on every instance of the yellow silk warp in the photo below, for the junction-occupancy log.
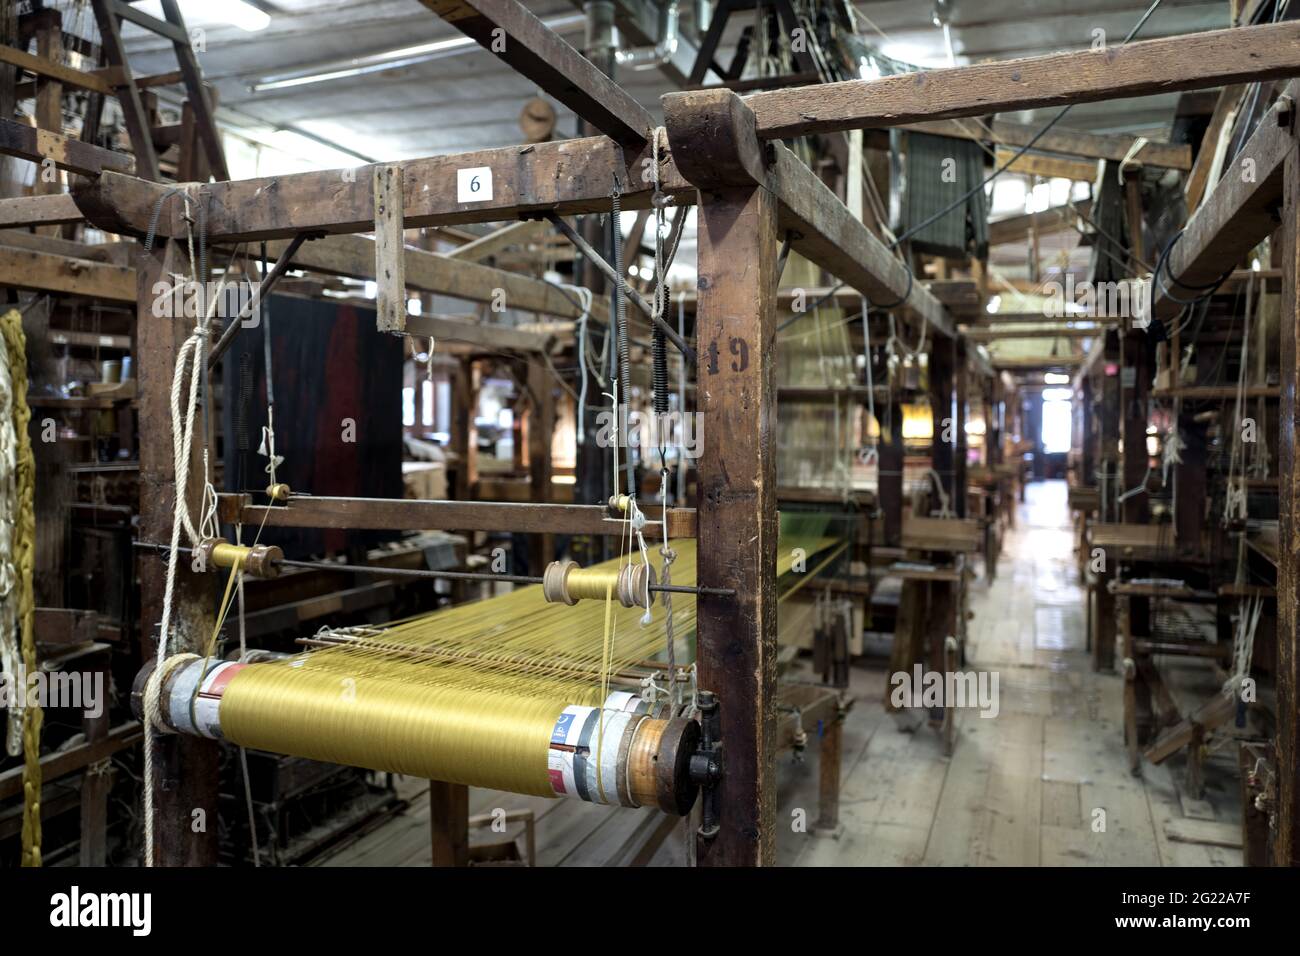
(469, 694)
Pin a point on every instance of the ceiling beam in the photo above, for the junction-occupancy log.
(516, 37)
(1195, 61)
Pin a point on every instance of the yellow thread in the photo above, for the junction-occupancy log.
(24, 558)
(469, 694)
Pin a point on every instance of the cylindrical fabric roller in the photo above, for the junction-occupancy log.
(619, 754)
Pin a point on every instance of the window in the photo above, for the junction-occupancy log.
(1057, 421)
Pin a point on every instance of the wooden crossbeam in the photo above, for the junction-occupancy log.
(381, 514)
(47, 272)
(1068, 142)
(94, 82)
(515, 36)
(1033, 363)
(354, 257)
(38, 145)
(833, 238)
(1171, 64)
(498, 239)
(1237, 215)
(1049, 167)
(481, 334)
(1052, 219)
(55, 209)
(712, 135)
(1059, 332)
(572, 177)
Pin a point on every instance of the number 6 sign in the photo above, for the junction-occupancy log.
(474, 185)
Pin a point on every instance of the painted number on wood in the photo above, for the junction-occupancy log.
(474, 185)
(738, 348)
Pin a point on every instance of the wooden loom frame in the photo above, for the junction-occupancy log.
(751, 191)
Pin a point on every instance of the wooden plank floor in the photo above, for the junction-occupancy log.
(1044, 783)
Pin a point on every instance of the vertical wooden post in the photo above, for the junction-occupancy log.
(889, 467)
(390, 250)
(939, 370)
(541, 428)
(1135, 384)
(961, 386)
(49, 102)
(829, 757)
(449, 823)
(96, 780)
(463, 434)
(1286, 844)
(185, 767)
(736, 332)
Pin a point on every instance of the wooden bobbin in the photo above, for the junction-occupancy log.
(278, 492)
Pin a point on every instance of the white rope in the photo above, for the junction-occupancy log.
(189, 357)
(1243, 643)
(1139, 144)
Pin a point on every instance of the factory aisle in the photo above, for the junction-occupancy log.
(1046, 781)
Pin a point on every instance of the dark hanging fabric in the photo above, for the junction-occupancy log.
(338, 414)
(939, 170)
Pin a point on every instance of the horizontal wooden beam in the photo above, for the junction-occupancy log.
(54, 209)
(41, 66)
(1031, 363)
(833, 238)
(38, 145)
(1058, 332)
(489, 245)
(571, 177)
(1236, 216)
(1023, 318)
(1171, 64)
(387, 514)
(20, 239)
(1068, 142)
(481, 334)
(1053, 219)
(1049, 167)
(354, 257)
(47, 272)
(711, 133)
(507, 30)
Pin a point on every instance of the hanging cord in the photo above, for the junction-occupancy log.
(620, 315)
(189, 357)
(19, 597)
(585, 296)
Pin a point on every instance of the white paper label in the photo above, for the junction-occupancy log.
(474, 185)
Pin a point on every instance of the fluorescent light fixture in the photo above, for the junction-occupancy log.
(237, 13)
(1055, 378)
(386, 60)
